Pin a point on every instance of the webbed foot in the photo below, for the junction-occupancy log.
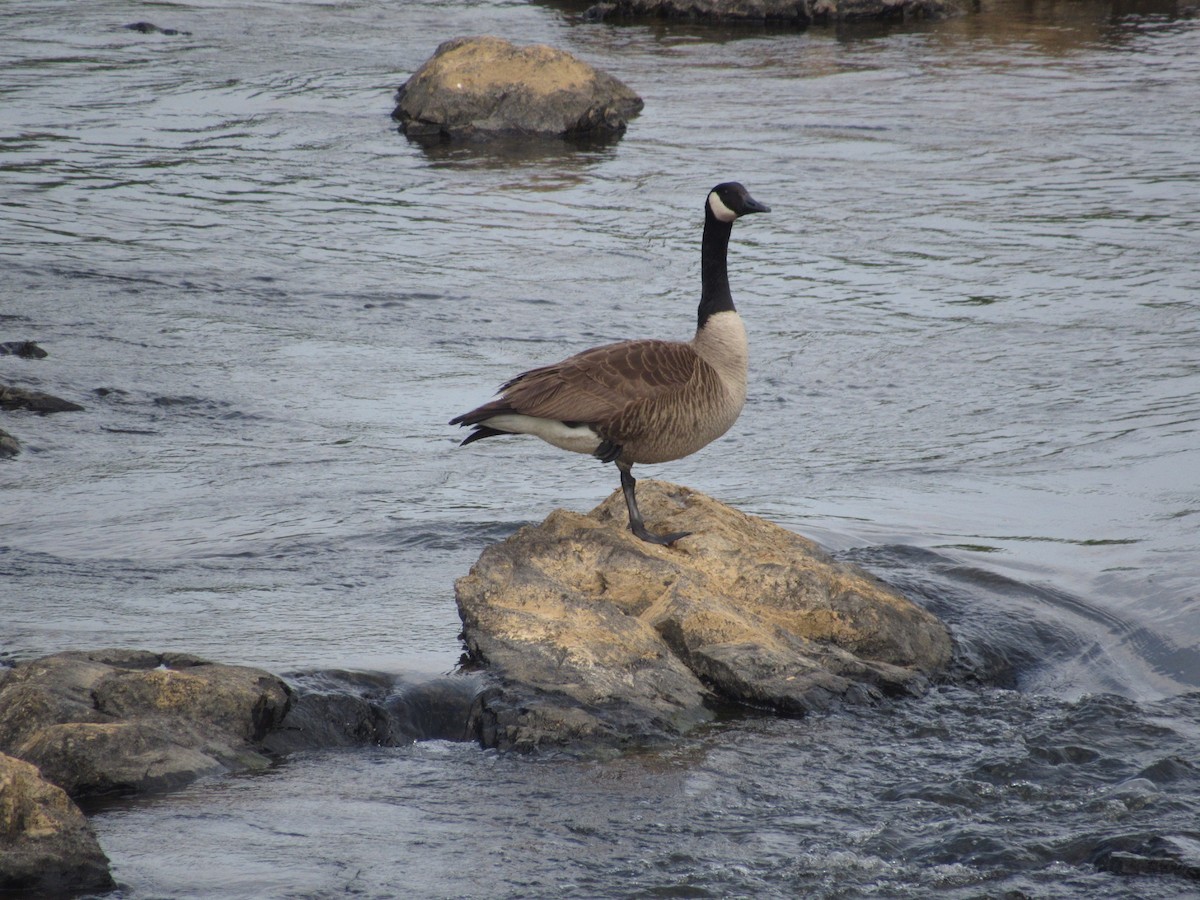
(666, 540)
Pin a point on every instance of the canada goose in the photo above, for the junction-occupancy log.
(644, 401)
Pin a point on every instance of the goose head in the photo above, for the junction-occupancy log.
(729, 201)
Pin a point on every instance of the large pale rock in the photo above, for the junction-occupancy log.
(596, 637)
(47, 847)
(127, 720)
(795, 12)
(482, 87)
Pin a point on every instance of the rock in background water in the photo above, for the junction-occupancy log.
(802, 13)
(484, 87)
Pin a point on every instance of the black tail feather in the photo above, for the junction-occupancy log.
(475, 416)
(481, 432)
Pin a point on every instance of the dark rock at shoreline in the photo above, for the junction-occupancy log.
(1177, 855)
(597, 638)
(481, 88)
(47, 847)
(794, 12)
(22, 398)
(23, 349)
(346, 709)
(9, 445)
(126, 721)
(334, 709)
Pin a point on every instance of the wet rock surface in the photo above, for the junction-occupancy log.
(127, 721)
(796, 12)
(1177, 855)
(47, 847)
(84, 724)
(151, 28)
(23, 349)
(346, 709)
(596, 637)
(12, 398)
(483, 88)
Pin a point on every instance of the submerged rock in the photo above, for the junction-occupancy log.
(596, 637)
(483, 87)
(23, 349)
(9, 445)
(22, 398)
(128, 721)
(346, 709)
(1140, 854)
(796, 12)
(47, 847)
(151, 28)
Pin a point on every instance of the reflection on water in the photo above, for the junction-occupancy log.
(1062, 27)
(558, 162)
(973, 328)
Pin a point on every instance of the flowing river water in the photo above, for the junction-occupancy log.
(975, 343)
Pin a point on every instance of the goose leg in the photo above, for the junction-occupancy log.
(636, 525)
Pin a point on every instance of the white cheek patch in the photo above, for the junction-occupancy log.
(719, 209)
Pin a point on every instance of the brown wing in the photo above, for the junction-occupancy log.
(602, 386)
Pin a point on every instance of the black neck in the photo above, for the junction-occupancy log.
(714, 277)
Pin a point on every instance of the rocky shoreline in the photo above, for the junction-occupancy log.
(578, 636)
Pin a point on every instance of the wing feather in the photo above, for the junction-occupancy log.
(602, 387)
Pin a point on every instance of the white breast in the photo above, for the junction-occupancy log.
(722, 344)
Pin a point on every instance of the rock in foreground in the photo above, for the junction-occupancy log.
(126, 721)
(598, 638)
(47, 848)
(483, 87)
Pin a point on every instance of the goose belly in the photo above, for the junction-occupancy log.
(682, 434)
(575, 438)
